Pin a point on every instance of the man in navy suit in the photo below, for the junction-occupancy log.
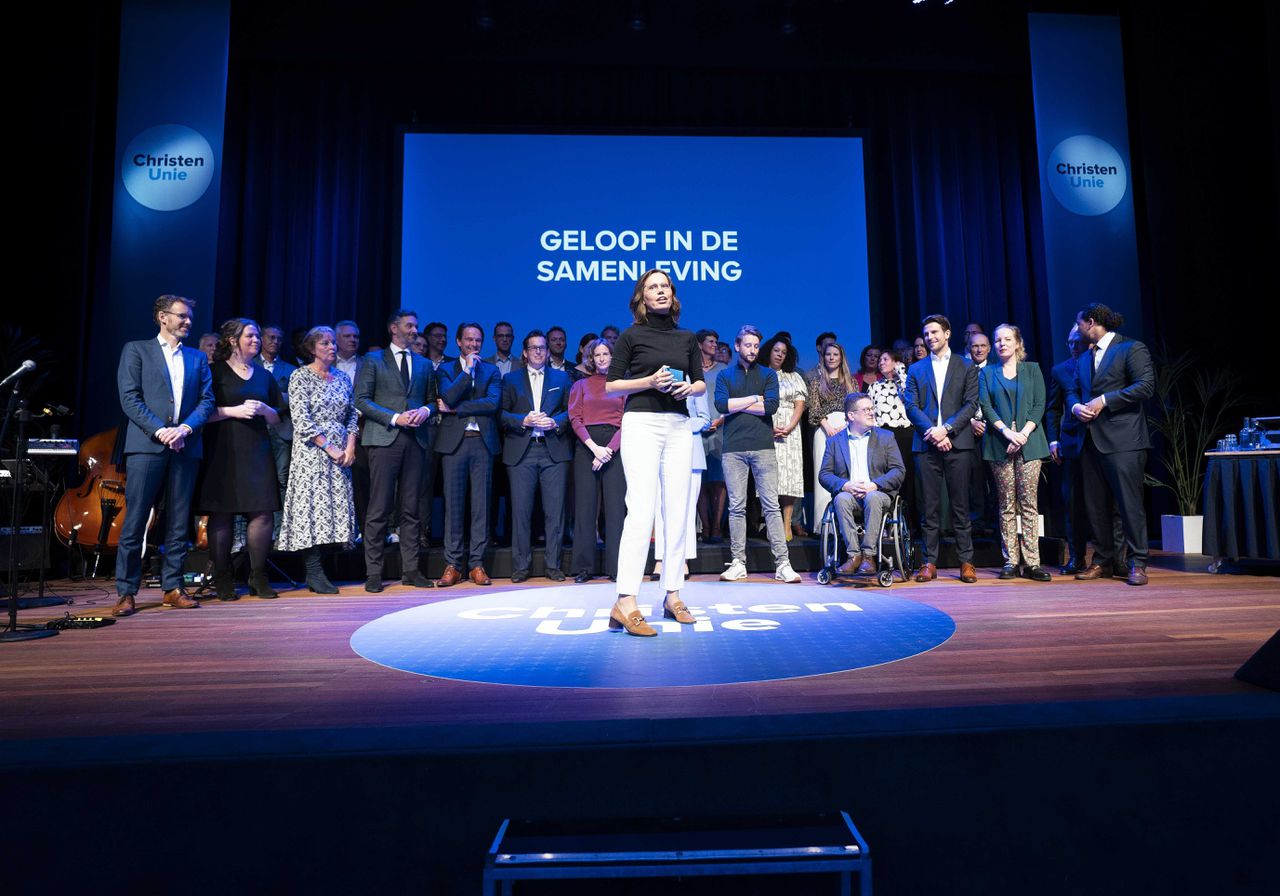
(863, 470)
(467, 441)
(1112, 381)
(941, 398)
(394, 392)
(166, 391)
(536, 452)
(1066, 436)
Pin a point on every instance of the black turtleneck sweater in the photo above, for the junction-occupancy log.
(643, 348)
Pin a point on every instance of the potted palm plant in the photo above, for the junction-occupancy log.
(1189, 412)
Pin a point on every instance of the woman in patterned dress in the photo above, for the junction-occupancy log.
(886, 400)
(318, 507)
(828, 386)
(792, 393)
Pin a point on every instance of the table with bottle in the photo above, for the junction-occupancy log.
(1241, 494)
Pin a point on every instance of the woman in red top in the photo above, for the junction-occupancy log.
(596, 418)
(868, 370)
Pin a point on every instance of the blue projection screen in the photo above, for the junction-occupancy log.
(545, 230)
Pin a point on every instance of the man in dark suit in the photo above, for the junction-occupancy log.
(1066, 437)
(863, 470)
(166, 391)
(536, 452)
(467, 441)
(282, 433)
(395, 393)
(1112, 381)
(941, 398)
(437, 336)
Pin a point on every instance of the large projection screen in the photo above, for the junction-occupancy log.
(543, 230)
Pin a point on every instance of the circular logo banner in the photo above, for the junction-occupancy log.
(167, 167)
(560, 637)
(1087, 175)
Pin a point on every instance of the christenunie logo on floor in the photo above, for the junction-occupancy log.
(560, 637)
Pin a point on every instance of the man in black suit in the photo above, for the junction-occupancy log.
(166, 391)
(467, 441)
(436, 337)
(394, 392)
(941, 398)
(1112, 381)
(1065, 440)
(536, 452)
(863, 470)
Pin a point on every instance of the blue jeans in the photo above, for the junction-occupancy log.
(763, 465)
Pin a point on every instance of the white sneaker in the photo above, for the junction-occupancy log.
(786, 574)
(737, 570)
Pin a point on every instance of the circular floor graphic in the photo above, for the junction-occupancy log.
(560, 637)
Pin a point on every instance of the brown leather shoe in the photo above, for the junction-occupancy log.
(452, 576)
(849, 567)
(177, 599)
(1094, 572)
(124, 606)
(1137, 576)
(927, 573)
(479, 576)
(867, 567)
(678, 611)
(968, 574)
(634, 624)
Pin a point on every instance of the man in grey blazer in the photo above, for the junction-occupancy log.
(863, 470)
(395, 392)
(166, 391)
(941, 398)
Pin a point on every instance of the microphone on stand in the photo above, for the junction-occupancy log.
(23, 370)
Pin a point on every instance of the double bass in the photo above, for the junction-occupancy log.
(91, 514)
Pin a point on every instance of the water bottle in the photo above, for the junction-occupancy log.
(1247, 435)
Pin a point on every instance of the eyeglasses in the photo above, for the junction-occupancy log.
(536, 348)
(177, 315)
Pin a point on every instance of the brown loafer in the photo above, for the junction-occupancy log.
(867, 567)
(1137, 576)
(177, 599)
(633, 624)
(452, 576)
(677, 611)
(968, 574)
(849, 567)
(124, 606)
(479, 576)
(1094, 572)
(927, 573)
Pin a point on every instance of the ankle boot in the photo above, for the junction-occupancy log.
(224, 584)
(260, 587)
(317, 581)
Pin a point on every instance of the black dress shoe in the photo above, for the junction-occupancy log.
(373, 584)
(1009, 572)
(1071, 569)
(417, 580)
(555, 575)
(582, 577)
(1036, 574)
(519, 576)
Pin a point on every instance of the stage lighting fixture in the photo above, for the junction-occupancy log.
(788, 22)
(485, 19)
(636, 18)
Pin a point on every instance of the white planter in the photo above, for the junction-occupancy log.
(1182, 534)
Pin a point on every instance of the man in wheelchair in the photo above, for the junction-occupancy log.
(863, 470)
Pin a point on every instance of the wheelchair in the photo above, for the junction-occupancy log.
(895, 549)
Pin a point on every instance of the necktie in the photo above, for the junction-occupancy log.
(1095, 356)
(404, 370)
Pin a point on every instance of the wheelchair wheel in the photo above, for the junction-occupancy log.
(824, 576)
(885, 578)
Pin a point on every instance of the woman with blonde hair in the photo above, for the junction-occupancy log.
(1011, 393)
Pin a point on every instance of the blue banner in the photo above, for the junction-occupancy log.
(164, 223)
(1086, 179)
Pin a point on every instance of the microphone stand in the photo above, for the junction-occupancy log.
(13, 631)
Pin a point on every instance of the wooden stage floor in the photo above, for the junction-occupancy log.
(286, 665)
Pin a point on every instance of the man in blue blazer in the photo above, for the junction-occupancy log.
(467, 441)
(863, 470)
(166, 391)
(1112, 381)
(536, 452)
(395, 392)
(941, 398)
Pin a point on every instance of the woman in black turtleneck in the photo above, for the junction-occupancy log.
(657, 366)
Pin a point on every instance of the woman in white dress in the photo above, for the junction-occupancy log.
(793, 393)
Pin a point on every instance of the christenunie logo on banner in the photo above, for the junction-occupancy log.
(167, 167)
(1087, 175)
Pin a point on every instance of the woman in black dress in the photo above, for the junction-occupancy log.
(239, 471)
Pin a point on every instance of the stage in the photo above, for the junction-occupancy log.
(1066, 707)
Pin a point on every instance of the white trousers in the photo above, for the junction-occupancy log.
(690, 525)
(822, 497)
(657, 457)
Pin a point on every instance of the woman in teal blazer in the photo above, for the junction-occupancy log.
(1011, 392)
